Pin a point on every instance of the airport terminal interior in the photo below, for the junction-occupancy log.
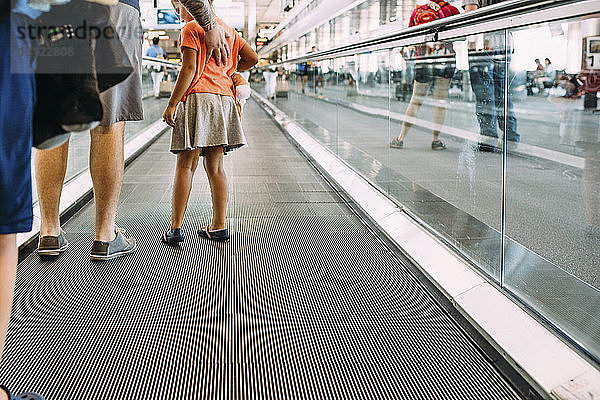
(415, 214)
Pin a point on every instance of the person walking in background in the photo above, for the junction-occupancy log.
(538, 74)
(487, 70)
(549, 70)
(270, 76)
(435, 65)
(302, 73)
(315, 75)
(205, 121)
(158, 71)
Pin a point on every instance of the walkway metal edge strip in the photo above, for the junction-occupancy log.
(548, 364)
(79, 189)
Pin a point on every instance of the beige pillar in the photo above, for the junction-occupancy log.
(251, 23)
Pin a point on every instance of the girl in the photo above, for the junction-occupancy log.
(205, 122)
(435, 65)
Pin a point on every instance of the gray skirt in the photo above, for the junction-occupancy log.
(123, 102)
(207, 120)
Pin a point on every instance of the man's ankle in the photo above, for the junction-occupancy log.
(47, 230)
(106, 237)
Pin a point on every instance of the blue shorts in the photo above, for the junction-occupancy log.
(16, 127)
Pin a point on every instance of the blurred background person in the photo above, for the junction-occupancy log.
(158, 71)
(487, 70)
(435, 65)
(545, 76)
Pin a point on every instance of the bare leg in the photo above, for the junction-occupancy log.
(106, 168)
(156, 79)
(419, 93)
(187, 161)
(213, 165)
(50, 171)
(8, 272)
(440, 94)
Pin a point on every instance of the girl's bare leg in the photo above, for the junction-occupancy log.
(419, 93)
(440, 95)
(213, 165)
(187, 161)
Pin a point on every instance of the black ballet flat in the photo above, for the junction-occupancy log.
(172, 237)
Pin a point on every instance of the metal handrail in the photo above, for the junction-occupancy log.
(505, 15)
(161, 61)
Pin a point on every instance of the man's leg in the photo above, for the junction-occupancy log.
(420, 90)
(106, 168)
(440, 95)
(120, 103)
(499, 77)
(156, 79)
(50, 171)
(482, 84)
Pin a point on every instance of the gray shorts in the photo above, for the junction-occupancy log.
(123, 102)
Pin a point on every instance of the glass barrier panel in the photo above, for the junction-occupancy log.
(297, 89)
(553, 175)
(441, 103)
(441, 125)
(364, 116)
(147, 84)
(408, 120)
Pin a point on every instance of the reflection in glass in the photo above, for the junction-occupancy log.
(434, 66)
(552, 231)
(487, 70)
(488, 101)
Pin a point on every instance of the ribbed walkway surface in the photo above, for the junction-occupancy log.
(304, 302)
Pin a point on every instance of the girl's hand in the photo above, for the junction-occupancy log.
(169, 115)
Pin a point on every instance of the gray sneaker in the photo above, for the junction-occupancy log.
(52, 245)
(397, 143)
(119, 246)
(438, 145)
(22, 396)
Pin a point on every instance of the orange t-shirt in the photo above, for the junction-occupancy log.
(209, 77)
